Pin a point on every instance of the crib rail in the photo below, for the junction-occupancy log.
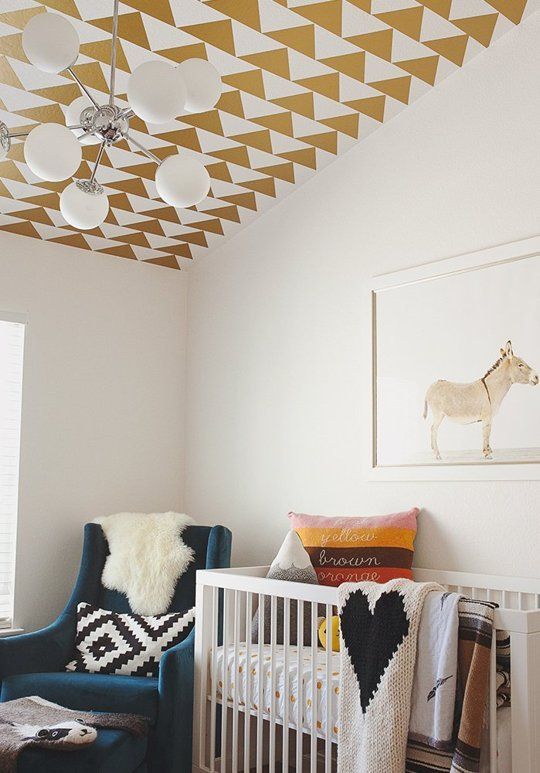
(266, 691)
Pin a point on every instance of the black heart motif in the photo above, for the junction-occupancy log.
(372, 638)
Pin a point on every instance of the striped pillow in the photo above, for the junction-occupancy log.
(350, 549)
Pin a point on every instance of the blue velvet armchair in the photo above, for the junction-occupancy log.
(34, 663)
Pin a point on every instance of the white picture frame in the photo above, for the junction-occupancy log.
(412, 284)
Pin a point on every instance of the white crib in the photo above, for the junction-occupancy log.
(268, 723)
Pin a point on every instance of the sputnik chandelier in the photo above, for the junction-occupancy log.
(157, 93)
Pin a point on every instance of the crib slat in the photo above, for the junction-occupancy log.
(300, 686)
(234, 682)
(224, 682)
(286, 691)
(213, 704)
(260, 696)
(314, 681)
(272, 733)
(247, 675)
(493, 705)
(329, 692)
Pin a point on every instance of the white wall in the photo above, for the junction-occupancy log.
(103, 403)
(274, 355)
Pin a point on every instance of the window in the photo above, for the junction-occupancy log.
(11, 371)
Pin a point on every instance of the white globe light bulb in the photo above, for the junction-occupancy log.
(84, 209)
(203, 84)
(73, 118)
(52, 152)
(156, 92)
(182, 181)
(50, 42)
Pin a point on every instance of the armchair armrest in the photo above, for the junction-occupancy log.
(175, 714)
(48, 649)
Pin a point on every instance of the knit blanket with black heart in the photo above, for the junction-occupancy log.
(379, 628)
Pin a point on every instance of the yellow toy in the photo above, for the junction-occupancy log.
(335, 633)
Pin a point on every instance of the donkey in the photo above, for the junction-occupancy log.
(477, 400)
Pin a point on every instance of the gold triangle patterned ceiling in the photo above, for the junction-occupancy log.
(302, 82)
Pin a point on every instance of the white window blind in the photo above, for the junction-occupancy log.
(11, 375)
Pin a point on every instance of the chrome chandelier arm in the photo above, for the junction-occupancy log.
(97, 161)
(146, 152)
(14, 135)
(113, 52)
(82, 87)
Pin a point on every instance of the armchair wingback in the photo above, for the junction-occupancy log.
(35, 663)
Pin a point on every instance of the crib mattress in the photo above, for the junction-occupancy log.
(244, 681)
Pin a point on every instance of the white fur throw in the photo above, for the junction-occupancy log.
(147, 556)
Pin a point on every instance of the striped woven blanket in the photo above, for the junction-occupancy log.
(475, 633)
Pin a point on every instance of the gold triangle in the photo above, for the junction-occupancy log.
(298, 103)
(101, 50)
(130, 27)
(424, 68)
(64, 6)
(246, 200)
(478, 27)
(209, 121)
(250, 81)
(346, 124)
(512, 9)
(4, 191)
(217, 33)
(138, 239)
(148, 226)
(327, 14)
(406, 20)
(226, 213)
(279, 122)
(11, 45)
(231, 102)
(372, 106)
(23, 228)
(327, 85)
(20, 19)
(364, 5)
(280, 171)
(16, 152)
(72, 240)
(92, 76)
(121, 251)
(164, 213)
(212, 226)
(7, 74)
(326, 141)
(197, 237)
(304, 157)
(44, 114)
(352, 65)
(10, 171)
(398, 88)
(259, 140)
(237, 156)
(36, 215)
(185, 138)
(166, 262)
(376, 43)
(65, 94)
(159, 10)
(452, 48)
(244, 11)
(298, 38)
(219, 171)
(264, 185)
(276, 62)
(48, 200)
(120, 201)
(146, 170)
(132, 185)
(441, 7)
(181, 249)
(181, 53)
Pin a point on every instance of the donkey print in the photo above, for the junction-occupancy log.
(478, 400)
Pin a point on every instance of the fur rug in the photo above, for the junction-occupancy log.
(147, 556)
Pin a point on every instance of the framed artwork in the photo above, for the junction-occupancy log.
(455, 365)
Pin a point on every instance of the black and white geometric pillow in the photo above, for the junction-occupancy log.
(113, 643)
